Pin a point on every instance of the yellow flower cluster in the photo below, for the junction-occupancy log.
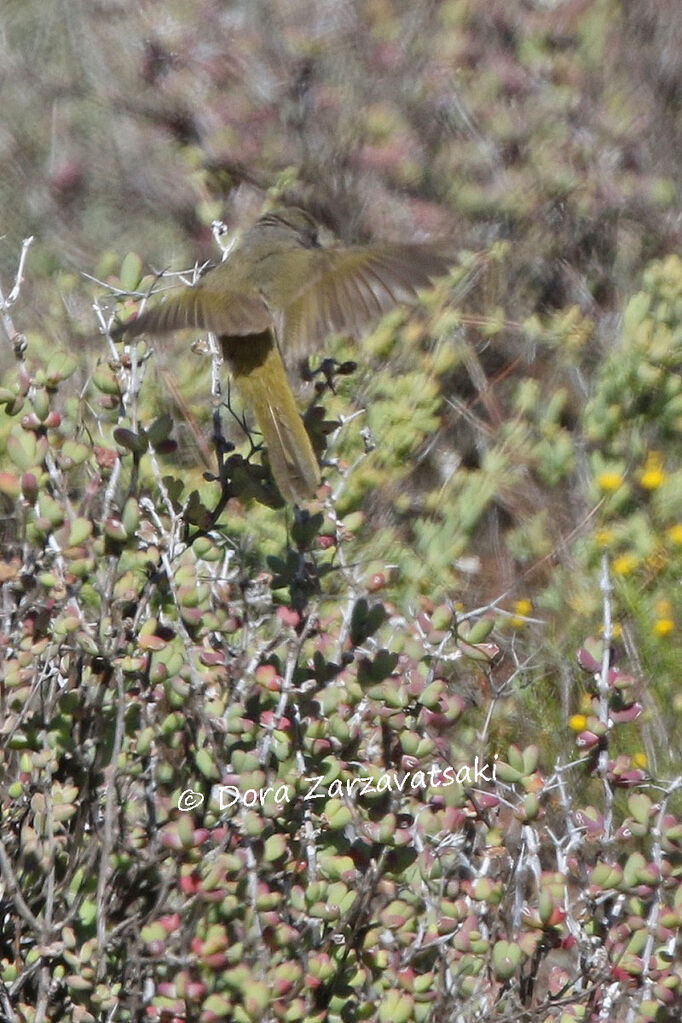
(610, 481)
(664, 624)
(675, 533)
(653, 474)
(625, 564)
(522, 608)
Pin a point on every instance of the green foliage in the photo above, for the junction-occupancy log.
(271, 751)
(170, 632)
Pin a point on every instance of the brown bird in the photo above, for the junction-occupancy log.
(279, 292)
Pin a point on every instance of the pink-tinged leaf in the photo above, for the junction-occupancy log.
(627, 779)
(591, 820)
(557, 981)
(629, 714)
(587, 661)
(288, 616)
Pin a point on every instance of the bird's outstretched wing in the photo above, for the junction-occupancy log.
(208, 305)
(348, 288)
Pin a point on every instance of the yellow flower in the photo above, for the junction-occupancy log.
(639, 760)
(610, 481)
(675, 533)
(653, 474)
(651, 479)
(522, 609)
(663, 627)
(603, 537)
(577, 722)
(625, 564)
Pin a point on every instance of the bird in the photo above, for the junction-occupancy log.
(278, 293)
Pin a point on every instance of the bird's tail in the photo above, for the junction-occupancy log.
(259, 373)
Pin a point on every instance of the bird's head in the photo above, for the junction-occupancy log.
(291, 220)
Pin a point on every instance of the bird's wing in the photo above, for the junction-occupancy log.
(212, 304)
(348, 288)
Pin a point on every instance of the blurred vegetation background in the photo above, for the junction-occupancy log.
(545, 135)
(492, 446)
